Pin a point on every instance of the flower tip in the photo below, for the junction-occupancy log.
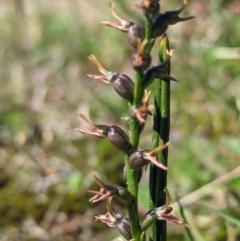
(79, 130)
(163, 167)
(107, 23)
(81, 115)
(111, 5)
(170, 53)
(167, 143)
(91, 57)
(98, 181)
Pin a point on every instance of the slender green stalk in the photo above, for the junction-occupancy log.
(132, 181)
(132, 175)
(161, 128)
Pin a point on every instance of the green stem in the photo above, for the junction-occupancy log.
(138, 93)
(132, 175)
(161, 128)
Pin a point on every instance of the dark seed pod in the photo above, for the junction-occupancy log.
(135, 33)
(124, 86)
(119, 139)
(124, 229)
(136, 160)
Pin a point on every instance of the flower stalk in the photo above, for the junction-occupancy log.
(141, 39)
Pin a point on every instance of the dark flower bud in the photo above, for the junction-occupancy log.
(124, 229)
(162, 21)
(119, 139)
(158, 72)
(114, 134)
(140, 60)
(148, 220)
(150, 8)
(122, 84)
(141, 158)
(135, 31)
(115, 219)
(137, 161)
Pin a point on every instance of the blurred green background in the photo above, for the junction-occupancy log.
(46, 165)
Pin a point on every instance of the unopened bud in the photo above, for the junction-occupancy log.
(124, 86)
(124, 228)
(140, 59)
(119, 139)
(135, 33)
(148, 220)
(150, 8)
(141, 158)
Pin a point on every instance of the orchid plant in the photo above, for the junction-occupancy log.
(141, 38)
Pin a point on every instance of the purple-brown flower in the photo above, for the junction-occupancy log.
(108, 191)
(135, 31)
(115, 219)
(141, 158)
(114, 134)
(122, 84)
(144, 110)
(165, 212)
(161, 213)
